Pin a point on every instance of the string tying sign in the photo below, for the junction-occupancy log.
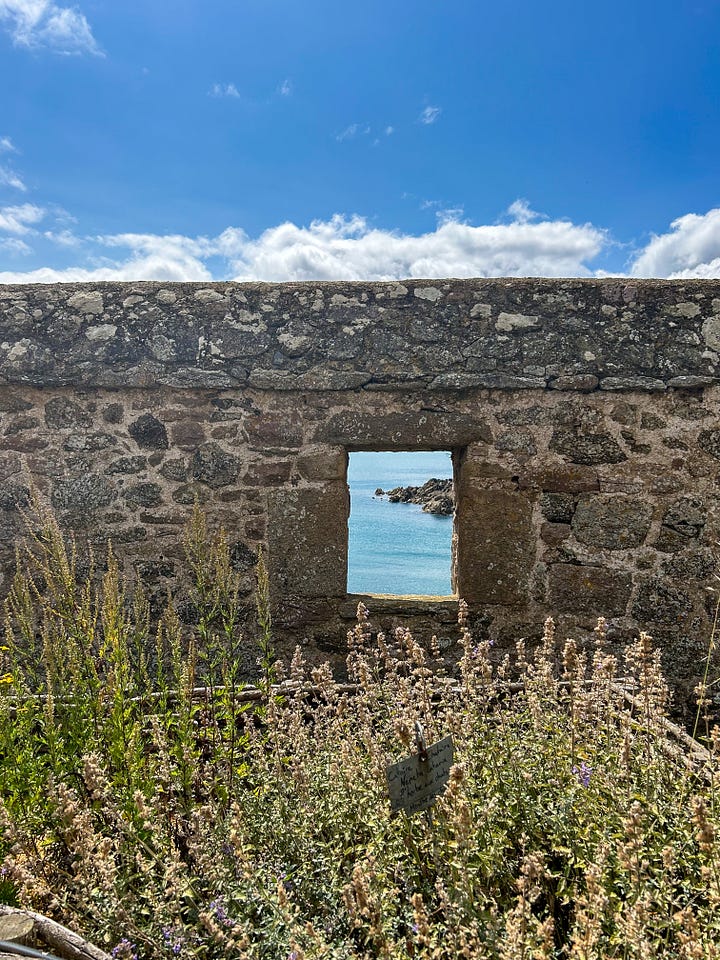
(415, 782)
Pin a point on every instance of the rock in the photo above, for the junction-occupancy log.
(434, 496)
(590, 590)
(588, 448)
(612, 522)
(148, 432)
(14, 496)
(309, 523)
(87, 442)
(127, 465)
(583, 382)
(496, 546)
(214, 466)
(645, 384)
(87, 302)
(402, 431)
(175, 469)
(113, 413)
(189, 493)
(565, 479)
(519, 442)
(687, 516)
(143, 494)
(60, 413)
(709, 440)
(83, 494)
(661, 601)
(557, 507)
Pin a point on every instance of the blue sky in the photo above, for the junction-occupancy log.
(271, 139)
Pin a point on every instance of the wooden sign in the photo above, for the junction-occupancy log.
(414, 783)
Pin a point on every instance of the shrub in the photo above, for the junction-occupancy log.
(163, 819)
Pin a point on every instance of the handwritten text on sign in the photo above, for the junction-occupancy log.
(413, 784)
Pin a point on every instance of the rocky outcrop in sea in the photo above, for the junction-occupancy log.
(434, 496)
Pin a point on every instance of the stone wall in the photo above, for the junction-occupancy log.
(582, 416)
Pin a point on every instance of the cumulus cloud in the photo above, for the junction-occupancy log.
(689, 250)
(429, 115)
(341, 248)
(42, 23)
(285, 88)
(20, 219)
(224, 90)
(349, 249)
(6, 145)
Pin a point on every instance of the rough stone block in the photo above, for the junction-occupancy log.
(308, 540)
(562, 479)
(274, 430)
(323, 463)
(661, 601)
(266, 472)
(495, 545)
(61, 413)
(557, 507)
(588, 590)
(521, 443)
(687, 516)
(423, 430)
(143, 494)
(148, 432)
(214, 466)
(709, 440)
(175, 469)
(187, 434)
(191, 493)
(553, 534)
(612, 521)
(83, 494)
(127, 465)
(588, 448)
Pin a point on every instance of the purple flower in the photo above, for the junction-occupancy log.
(174, 940)
(125, 950)
(221, 915)
(583, 773)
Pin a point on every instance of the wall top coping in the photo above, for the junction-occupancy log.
(443, 335)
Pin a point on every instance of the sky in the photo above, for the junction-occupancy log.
(276, 140)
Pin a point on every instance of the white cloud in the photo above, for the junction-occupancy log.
(285, 88)
(20, 219)
(430, 114)
(354, 130)
(42, 23)
(689, 250)
(349, 249)
(15, 246)
(8, 178)
(6, 145)
(63, 238)
(224, 90)
(341, 248)
(389, 130)
(521, 211)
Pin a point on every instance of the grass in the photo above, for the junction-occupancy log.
(153, 804)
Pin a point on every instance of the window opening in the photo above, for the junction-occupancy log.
(397, 547)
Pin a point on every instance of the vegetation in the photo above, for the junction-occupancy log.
(161, 820)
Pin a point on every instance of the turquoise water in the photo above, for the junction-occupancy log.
(395, 547)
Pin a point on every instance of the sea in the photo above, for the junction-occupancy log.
(394, 547)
